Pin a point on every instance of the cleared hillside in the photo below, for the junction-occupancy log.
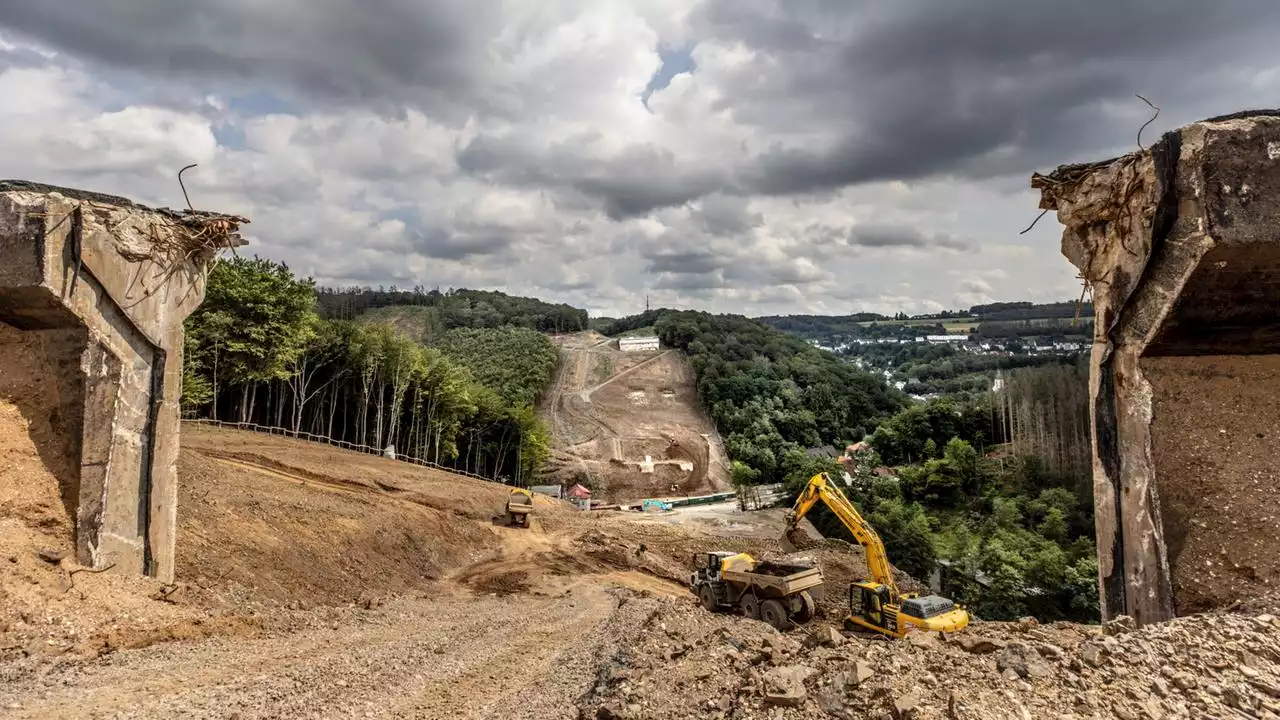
(609, 410)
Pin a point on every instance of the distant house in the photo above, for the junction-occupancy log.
(578, 492)
(638, 343)
(939, 339)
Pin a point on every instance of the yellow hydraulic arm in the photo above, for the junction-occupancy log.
(821, 487)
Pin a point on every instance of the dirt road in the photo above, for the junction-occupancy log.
(454, 657)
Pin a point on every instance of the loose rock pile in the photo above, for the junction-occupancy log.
(679, 661)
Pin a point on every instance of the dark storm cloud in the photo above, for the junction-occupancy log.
(445, 244)
(633, 184)
(693, 283)
(686, 263)
(883, 235)
(977, 88)
(416, 51)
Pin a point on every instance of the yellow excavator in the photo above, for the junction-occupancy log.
(875, 604)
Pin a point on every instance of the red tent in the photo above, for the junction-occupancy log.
(579, 493)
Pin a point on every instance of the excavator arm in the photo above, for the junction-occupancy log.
(821, 488)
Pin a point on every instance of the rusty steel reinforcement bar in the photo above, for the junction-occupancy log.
(309, 437)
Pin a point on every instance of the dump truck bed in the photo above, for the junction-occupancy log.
(777, 579)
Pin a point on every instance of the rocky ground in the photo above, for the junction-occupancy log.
(316, 583)
(687, 663)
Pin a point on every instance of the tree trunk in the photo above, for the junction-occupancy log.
(253, 398)
(215, 381)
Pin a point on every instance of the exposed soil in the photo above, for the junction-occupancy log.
(49, 605)
(320, 583)
(1215, 434)
(608, 410)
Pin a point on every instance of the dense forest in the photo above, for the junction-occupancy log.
(944, 369)
(259, 350)
(994, 320)
(1032, 311)
(771, 395)
(1001, 508)
(453, 308)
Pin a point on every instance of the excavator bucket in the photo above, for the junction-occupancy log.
(794, 538)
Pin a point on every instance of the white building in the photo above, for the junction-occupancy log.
(643, 342)
(939, 339)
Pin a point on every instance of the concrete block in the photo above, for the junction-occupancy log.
(107, 283)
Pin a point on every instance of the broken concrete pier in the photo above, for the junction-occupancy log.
(1180, 245)
(102, 285)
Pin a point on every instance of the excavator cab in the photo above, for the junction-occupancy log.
(869, 603)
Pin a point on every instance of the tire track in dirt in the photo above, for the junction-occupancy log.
(416, 658)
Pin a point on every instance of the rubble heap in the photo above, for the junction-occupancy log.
(674, 660)
(1177, 243)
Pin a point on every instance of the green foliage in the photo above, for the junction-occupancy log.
(515, 362)
(741, 474)
(916, 433)
(256, 317)
(771, 395)
(466, 401)
(904, 530)
(435, 311)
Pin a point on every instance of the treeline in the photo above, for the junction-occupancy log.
(1031, 311)
(258, 350)
(455, 308)
(1043, 328)
(771, 395)
(943, 369)
(805, 325)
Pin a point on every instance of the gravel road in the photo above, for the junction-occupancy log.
(456, 657)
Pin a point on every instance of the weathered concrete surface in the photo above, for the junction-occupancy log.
(1179, 244)
(106, 283)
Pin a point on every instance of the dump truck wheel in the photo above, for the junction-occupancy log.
(511, 518)
(708, 598)
(808, 608)
(750, 606)
(772, 612)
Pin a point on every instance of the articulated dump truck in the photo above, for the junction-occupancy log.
(519, 507)
(777, 593)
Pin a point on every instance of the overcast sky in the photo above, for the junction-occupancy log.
(748, 156)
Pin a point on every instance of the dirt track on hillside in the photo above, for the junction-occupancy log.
(608, 410)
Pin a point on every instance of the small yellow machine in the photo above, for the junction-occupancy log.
(519, 507)
(875, 604)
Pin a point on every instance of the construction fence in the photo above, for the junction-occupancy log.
(309, 437)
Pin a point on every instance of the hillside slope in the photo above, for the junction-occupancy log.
(608, 410)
